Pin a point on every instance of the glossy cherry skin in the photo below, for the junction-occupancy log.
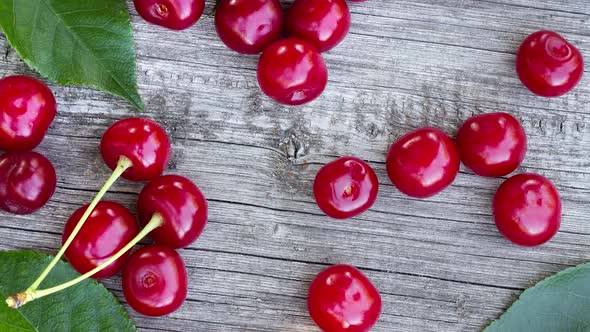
(27, 182)
(345, 187)
(342, 299)
(27, 108)
(549, 65)
(423, 162)
(249, 26)
(492, 144)
(527, 209)
(182, 206)
(155, 280)
(171, 14)
(109, 228)
(141, 140)
(292, 72)
(324, 23)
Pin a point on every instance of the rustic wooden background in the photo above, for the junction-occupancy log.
(439, 263)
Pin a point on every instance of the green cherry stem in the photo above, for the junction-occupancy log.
(17, 300)
(123, 165)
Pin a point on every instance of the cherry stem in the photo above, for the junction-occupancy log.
(123, 164)
(20, 299)
(211, 13)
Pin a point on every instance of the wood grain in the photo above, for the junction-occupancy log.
(439, 263)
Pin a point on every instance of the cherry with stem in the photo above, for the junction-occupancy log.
(179, 212)
(136, 149)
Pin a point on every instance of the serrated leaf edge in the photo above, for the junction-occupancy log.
(532, 288)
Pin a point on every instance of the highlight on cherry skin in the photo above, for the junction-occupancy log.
(249, 26)
(342, 299)
(155, 280)
(423, 162)
(345, 187)
(108, 229)
(180, 204)
(527, 209)
(492, 144)
(181, 222)
(292, 72)
(27, 108)
(27, 182)
(171, 14)
(549, 65)
(324, 23)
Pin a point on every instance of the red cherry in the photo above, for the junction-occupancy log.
(492, 144)
(549, 65)
(171, 14)
(249, 26)
(342, 299)
(108, 229)
(324, 23)
(527, 209)
(27, 108)
(181, 205)
(155, 281)
(27, 182)
(345, 187)
(423, 162)
(292, 72)
(142, 141)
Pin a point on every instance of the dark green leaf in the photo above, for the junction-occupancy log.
(558, 303)
(86, 307)
(75, 42)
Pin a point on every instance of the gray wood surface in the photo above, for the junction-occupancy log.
(439, 263)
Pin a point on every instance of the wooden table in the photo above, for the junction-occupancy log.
(439, 263)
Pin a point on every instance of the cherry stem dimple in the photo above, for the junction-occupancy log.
(123, 164)
(20, 299)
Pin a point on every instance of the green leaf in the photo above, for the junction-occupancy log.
(73, 42)
(87, 306)
(558, 303)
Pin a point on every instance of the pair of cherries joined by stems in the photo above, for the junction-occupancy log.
(98, 236)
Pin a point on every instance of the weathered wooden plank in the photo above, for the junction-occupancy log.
(439, 263)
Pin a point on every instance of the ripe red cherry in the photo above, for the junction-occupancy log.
(108, 229)
(181, 205)
(292, 72)
(342, 299)
(249, 26)
(423, 162)
(171, 14)
(27, 182)
(492, 144)
(346, 187)
(27, 108)
(324, 23)
(155, 281)
(549, 65)
(142, 141)
(527, 209)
